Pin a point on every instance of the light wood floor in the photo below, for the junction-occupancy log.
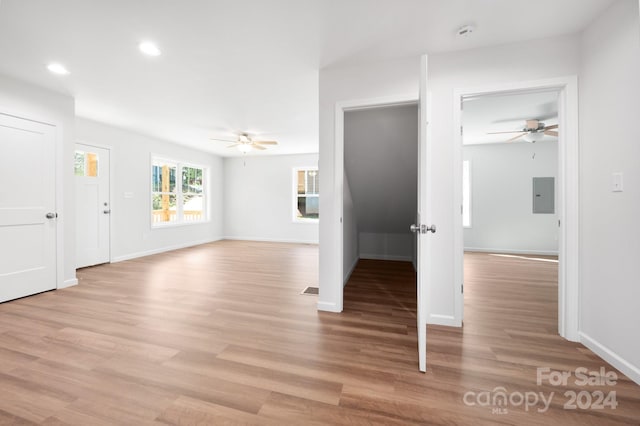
(219, 334)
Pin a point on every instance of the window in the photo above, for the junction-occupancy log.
(85, 164)
(306, 194)
(178, 193)
(466, 194)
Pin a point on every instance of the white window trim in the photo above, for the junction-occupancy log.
(294, 199)
(179, 195)
(470, 225)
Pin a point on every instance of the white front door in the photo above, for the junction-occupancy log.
(27, 207)
(93, 206)
(423, 228)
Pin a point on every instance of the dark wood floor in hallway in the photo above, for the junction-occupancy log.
(219, 334)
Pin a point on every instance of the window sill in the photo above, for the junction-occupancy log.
(306, 221)
(178, 224)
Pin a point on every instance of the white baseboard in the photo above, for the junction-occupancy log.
(328, 307)
(161, 250)
(437, 319)
(271, 240)
(370, 256)
(628, 369)
(350, 271)
(68, 283)
(512, 251)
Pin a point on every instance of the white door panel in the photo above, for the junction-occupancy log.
(27, 237)
(93, 206)
(423, 217)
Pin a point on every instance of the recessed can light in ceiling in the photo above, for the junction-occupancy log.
(149, 48)
(465, 30)
(57, 68)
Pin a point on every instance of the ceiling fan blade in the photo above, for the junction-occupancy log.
(266, 142)
(221, 140)
(516, 137)
(553, 126)
(551, 133)
(256, 146)
(232, 145)
(542, 117)
(498, 133)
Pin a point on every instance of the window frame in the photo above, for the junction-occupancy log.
(86, 162)
(179, 194)
(294, 211)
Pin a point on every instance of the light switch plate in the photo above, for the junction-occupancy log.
(616, 182)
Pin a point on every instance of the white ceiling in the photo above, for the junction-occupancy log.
(506, 113)
(233, 65)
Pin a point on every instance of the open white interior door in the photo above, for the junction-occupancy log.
(422, 229)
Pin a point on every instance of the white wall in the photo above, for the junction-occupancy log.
(340, 84)
(475, 68)
(610, 231)
(447, 72)
(501, 198)
(28, 101)
(380, 160)
(606, 59)
(132, 235)
(258, 199)
(386, 246)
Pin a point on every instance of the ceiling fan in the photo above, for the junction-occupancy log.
(533, 131)
(245, 143)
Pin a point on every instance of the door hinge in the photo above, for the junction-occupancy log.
(558, 223)
(462, 288)
(461, 131)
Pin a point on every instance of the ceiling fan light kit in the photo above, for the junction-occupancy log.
(244, 148)
(246, 144)
(533, 137)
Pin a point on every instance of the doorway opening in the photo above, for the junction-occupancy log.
(380, 182)
(529, 212)
(509, 216)
(380, 201)
(379, 170)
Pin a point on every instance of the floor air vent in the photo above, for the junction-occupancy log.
(310, 290)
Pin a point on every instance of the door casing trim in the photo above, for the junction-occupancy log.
(568, 194)
(338, 181)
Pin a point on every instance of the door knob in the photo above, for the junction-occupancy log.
(106, 211)
(422, 229)
(51, 215)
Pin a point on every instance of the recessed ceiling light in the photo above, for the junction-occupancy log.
(57, 69)
(149, 48)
